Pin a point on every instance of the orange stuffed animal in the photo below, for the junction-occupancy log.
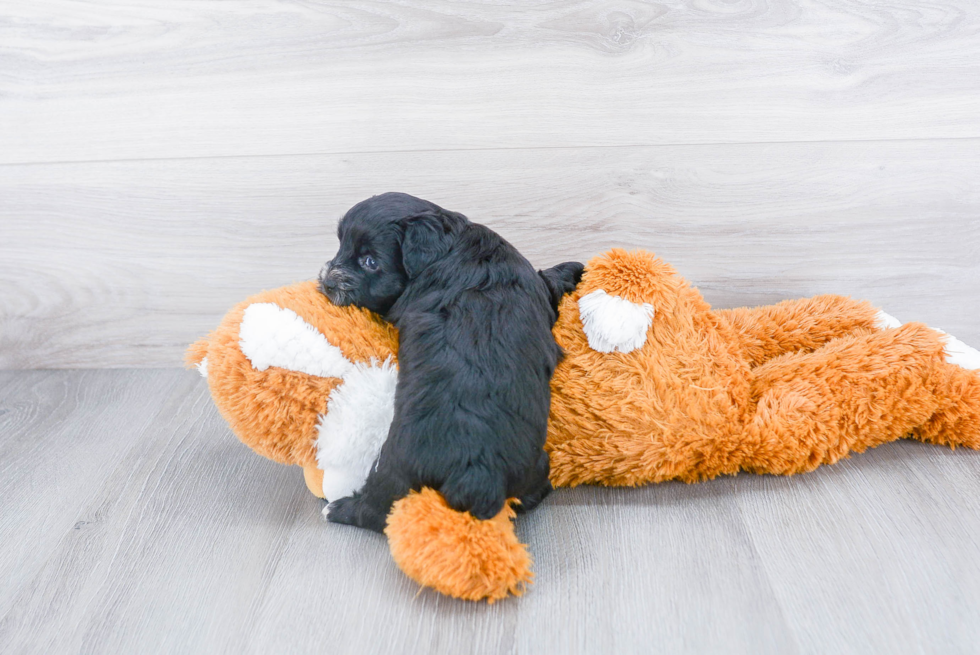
(655, 385)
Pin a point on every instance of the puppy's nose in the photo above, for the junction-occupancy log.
(332, 279)
(328, 278)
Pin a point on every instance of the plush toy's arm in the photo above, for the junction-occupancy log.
(796, 325)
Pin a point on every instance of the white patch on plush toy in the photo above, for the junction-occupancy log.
(883, 321)
(202, 367)
(614, 324)
(359, 410)
(957, 352)
(271, 335)
(355, 426)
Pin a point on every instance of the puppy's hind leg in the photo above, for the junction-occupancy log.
(538, 485)
(476, 489)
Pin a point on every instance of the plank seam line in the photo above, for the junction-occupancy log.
(341, 153)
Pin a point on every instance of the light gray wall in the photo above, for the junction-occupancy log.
(159, 164)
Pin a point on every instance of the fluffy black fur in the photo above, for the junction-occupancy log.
(475, 356)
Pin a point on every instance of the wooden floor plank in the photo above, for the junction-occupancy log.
(115, 79)
(149, 528)
(663, 568)
(879, 553)
(124, 264)
(164, 544)
(616, 571)
(66, 433)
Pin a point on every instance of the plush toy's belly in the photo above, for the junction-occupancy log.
(624, 420)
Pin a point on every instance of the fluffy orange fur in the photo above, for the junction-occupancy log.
(455, 553)
(779, 389)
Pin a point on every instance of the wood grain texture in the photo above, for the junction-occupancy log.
(125, 263)
(118, 79)
(132, 521)
(890, 522)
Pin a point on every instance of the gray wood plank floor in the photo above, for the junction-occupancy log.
(133, 521)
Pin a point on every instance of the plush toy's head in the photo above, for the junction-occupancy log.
(303, 381)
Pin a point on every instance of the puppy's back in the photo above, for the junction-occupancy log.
(476, 357)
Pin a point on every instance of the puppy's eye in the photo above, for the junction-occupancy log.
(367, 262)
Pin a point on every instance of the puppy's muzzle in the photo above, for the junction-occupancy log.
(335, 284)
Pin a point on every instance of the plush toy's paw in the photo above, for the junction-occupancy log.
(957, 352)
(455, 553)
(614, 324)
(314, 480)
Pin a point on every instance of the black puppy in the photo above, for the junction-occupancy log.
(475, 355)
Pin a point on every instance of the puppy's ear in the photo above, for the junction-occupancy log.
(425, 239)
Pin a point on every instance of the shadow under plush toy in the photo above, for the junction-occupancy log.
(655, 385)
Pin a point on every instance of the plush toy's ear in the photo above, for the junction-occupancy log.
(635, 276)
(426, 238)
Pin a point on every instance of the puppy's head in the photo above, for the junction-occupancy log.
(385, 242)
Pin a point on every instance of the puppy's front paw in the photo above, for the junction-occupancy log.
(568, 275)
(342, 510)
(561, 279)
(353, 510)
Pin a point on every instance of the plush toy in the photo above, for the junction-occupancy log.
(655, 385)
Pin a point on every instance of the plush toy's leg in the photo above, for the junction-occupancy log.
(854, 393)
(796, 325)
(454, 553)
(314, 480)
(956, 384)
(957, 421)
